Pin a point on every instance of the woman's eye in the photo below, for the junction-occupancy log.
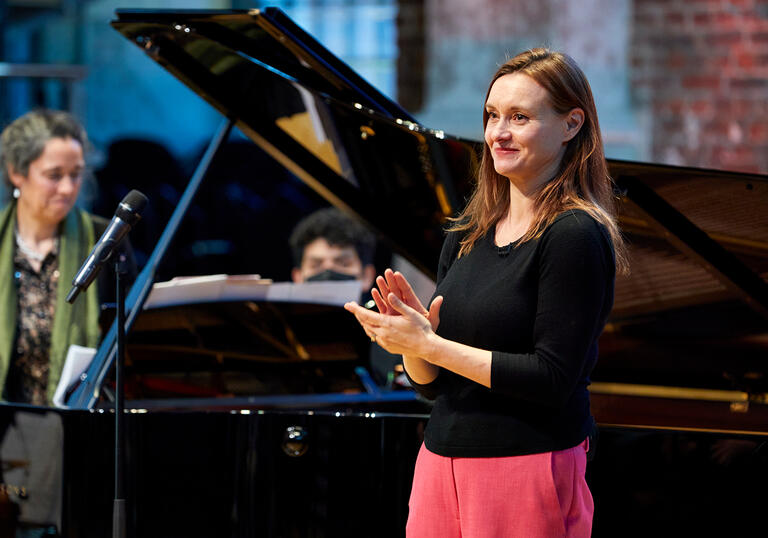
(492, 115)
(519, 117)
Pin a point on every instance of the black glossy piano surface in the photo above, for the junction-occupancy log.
(230, 436)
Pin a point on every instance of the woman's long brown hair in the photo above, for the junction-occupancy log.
(582, 181)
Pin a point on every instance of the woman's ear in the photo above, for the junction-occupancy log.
(573, 122)
(15, 178)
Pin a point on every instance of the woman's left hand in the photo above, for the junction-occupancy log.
(393, 282)
(410, 333)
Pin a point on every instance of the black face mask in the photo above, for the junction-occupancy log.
(330, 274)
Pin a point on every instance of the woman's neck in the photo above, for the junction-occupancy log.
(35, 233)
(518, 219)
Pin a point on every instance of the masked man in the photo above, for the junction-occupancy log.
(328, 245)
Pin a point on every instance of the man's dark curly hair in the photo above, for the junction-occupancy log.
(336, 228)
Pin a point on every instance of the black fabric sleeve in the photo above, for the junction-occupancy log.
(448, 255)
(576, 272)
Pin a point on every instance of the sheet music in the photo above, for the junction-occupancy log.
(77, 361)
(218, 288)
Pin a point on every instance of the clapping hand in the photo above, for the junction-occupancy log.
(402, 324)
(395, 283)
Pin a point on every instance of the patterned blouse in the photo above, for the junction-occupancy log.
(27, 379)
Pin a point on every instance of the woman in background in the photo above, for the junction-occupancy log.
(43, 241)
(524, 287)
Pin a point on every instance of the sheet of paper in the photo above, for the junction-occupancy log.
(328, 292)
(77, 361)
(218, 288)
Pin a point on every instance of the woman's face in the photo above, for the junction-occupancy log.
(53, 182)
(526, 136)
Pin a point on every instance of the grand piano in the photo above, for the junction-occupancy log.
(257, 418)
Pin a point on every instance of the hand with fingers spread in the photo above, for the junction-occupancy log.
(395, 283)
(402, 329)
(402, 324)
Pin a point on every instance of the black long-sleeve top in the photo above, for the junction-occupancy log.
(540, 307)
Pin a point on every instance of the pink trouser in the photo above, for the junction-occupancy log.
(534, 496)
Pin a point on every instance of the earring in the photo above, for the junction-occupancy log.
(16, 193)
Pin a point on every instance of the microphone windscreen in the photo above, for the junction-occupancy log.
(135, 200)
(131, 207)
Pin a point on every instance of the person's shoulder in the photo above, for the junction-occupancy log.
(453, 237)
(577, 233)
(452, 241)
(576, 222)
(450, 250)
(99, 223)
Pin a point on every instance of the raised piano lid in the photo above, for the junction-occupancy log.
(689, 323)
(317, 117)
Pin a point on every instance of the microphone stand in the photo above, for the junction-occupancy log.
(118, 509)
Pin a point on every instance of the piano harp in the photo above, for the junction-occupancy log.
(300, 447)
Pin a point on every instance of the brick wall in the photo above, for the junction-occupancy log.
(699, 70)
(467, 41)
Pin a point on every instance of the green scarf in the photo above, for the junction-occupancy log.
(72, 324)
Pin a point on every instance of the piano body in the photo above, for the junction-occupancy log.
(254, 417)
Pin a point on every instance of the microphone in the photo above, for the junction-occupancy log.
(126, 216)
